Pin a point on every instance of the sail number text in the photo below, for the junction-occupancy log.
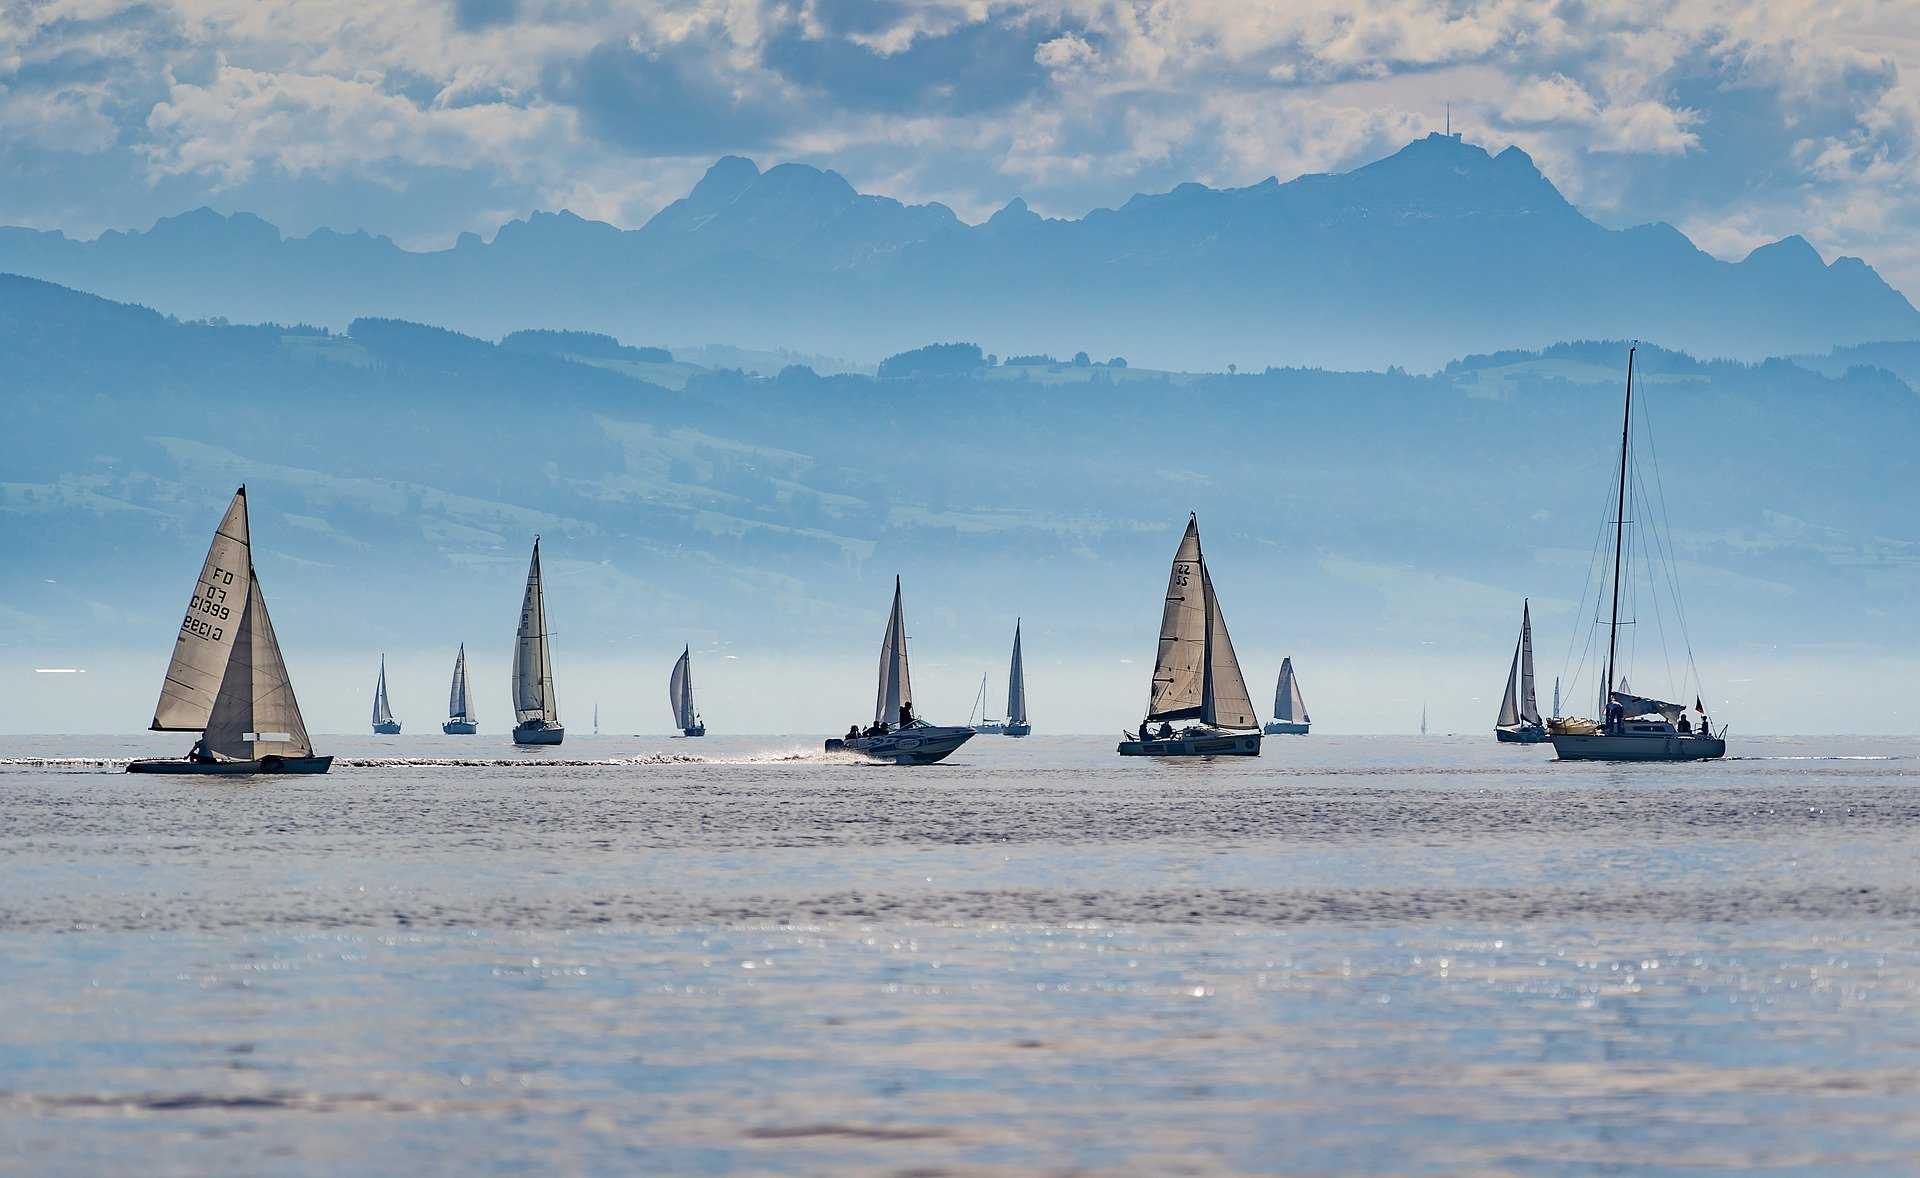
(209, 607)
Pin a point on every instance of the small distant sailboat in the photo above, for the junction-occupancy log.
(461, 720)
(898, 735)
(1423, 719)
(1289, 709)
(227, 679)
(1634, 728)
(383, 722)
(1017, 724)
(1195, 674)
(680, 695)
(976, 716)
(536, 710)
(1519, 721)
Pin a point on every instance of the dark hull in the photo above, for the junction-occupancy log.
(915, 746)
(1209, 744)
(1017, 730)
(696, 730)
(1601, 746)
(263, 766)
(541, 734)
(459, 728)
(1520, 735)
(390, 728)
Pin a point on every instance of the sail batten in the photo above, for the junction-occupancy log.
(533, 694)
(896, 684)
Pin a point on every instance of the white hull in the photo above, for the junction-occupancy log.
(1195, 743)
(1284, 728)
(919, 745)
(1638, 746)
(460, 727)
(541, 734)
(989, 728)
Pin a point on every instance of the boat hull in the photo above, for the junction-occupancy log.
(1638, 746)
(1521, 734)
(263, 766)
(1195, 744)
(538, 734)
(390, 728)
(990, 728)
(1284, 728)
(915, 746)
(696, 730)
(460, 728)
(1017, 730)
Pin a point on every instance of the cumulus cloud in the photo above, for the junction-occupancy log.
(1737, 119)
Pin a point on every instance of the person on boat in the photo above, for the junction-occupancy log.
(1146, 731)
(1616, 717)
(853, 732)
(906, 715)
(1686, 728)
(199, 753)
(1705, 728)
(1166, 730)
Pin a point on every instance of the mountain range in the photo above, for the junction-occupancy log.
(1438, 250)
(1380, 527)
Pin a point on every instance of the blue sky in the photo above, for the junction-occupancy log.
(1738, 121)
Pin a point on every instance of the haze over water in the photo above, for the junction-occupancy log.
(634, 955)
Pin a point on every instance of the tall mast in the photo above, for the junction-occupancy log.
(1206, 613)
(1619, 537)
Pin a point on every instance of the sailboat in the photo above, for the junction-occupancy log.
(1016, 724)
(680, 695)
(383, 722)
(536, 711)
(1519, 721)
(460, 718)
(897, 734)
(1195, 674)
(227, 679)
(976, 716)
(1635, 728)
(1289, 709)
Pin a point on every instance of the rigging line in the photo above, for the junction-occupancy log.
(1653, 588)
(1673, 567)
(1594, 562)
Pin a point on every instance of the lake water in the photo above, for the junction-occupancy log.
(639, 955)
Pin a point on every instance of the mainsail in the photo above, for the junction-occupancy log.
(1288, 706)
(255, 714)
(533, 696)
(1179, 675)
(211, 628)
(680, 690)
(1518, 706)
(896, 686)
(1195, 673)
(382, 711)
(1017, 682)
(459, 700)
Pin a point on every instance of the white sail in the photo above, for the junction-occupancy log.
(255, 714)
(459, 699)
(1288, 705)
(533, 695)
(896, 685)
(382, 711)
(1179, 663)
(680, 690)
(1226, 702)
(1529, 706)
(1510, 702)
(1017, 682)
(207, 635)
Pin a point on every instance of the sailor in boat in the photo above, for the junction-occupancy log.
(199, 754)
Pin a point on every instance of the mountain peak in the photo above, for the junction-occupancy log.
(729, 176)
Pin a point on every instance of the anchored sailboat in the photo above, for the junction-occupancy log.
(1519, 721)
(976, 715)
(680, 695)
(896, 734)
(536, 711)
(1289, 709)
(383, 722)
(1017, 724)
(1195, 674)
(227, 679)
(1635, 728)
(460, 718)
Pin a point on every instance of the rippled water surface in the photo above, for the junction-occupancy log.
(630, 955)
